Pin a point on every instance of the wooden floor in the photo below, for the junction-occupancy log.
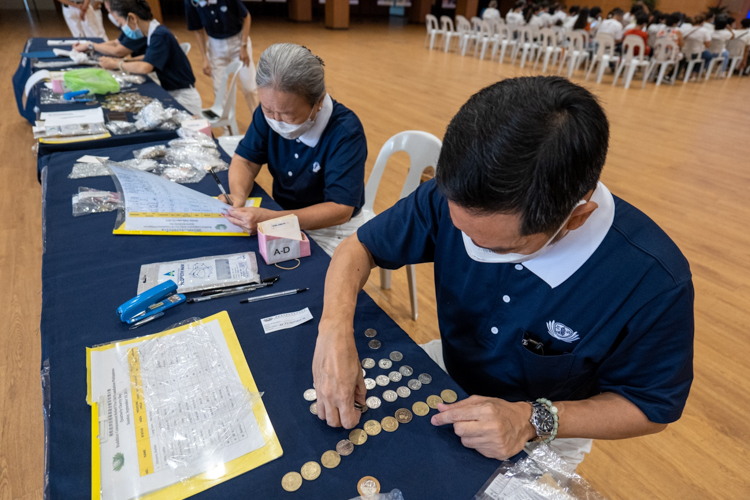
(678, 153)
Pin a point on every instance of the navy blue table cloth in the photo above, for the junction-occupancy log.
(87, 272)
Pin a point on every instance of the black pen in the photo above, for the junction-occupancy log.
(221, 186)
(273, 295)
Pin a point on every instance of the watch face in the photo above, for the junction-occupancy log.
(546, 422)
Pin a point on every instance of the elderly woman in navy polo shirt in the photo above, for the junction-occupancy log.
(315, 149)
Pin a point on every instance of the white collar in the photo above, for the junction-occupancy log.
(566, 256)
(312, 136)
(151, 27)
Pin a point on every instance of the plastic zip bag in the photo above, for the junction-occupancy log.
(96, 80)
(91, 201)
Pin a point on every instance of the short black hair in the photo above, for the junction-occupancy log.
(672, 20)
(574, 9)
(635, 9)
(721, 22)
(532, 146)
(617, 11)
(745, 22)
(641, 18)
(140, 8)
(595, 11)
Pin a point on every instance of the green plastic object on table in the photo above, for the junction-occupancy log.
(95, 80)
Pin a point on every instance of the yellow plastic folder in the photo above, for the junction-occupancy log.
(142, 469)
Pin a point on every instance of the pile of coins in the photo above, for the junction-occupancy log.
(132, 102)
(368, 485)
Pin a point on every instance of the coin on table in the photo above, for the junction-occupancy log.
(389, 424)
(291, 481)
(396, 356)
(390, 396)
(330, 459)
(364, 373)
(373, 402)
(449, 396)
(374, 344)
(394, 376)
(433, 401)
(420, 408)
(370, 332)
(369, 384)
(368, 363)
(368, 485)
(314, 408)
(385, 363)
(344, 447)
(382, 380)
(372, 427)
(403, 416)
(403, 392)
(406, 371)
(425, 378)
(414, 384)
(358, 436)
(311, 471)
(310, 395)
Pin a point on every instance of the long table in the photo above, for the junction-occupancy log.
(87, 272)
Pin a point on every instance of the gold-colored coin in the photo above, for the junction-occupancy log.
(368, 485)
(389, 424)
(311, 471)
(449, 396)
(420, 408)
(291, 481)
(372, 427)
(330, 459)
(358, 436)
(403, 416)
(433, 401)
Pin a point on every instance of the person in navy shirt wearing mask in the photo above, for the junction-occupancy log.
(564, 311)
(163, 53)
(121, 47)
(315, 149)
(222, 29)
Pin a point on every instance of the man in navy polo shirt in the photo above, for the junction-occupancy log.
(565, 312)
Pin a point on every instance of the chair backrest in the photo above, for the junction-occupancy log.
(629, 45)
(606, 45)
(423, 150)
(525, 34)
(485, 29)
(736, 48)
(475, 23)
(226, 99)
(586, 37)
(505, 32)
(494, 24)
(548, 37)
(665, 49)
(717, 45)
(446, 24)
(560, 34)
(185, 46)
(431, 22)
(463, 25)
(575, 41)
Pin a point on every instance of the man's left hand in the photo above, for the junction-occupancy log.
(109, 62)
(494, 427)
(248, 217)
(244, 56)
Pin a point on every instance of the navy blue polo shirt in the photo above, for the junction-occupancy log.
(221, 20)
(137, 47)
(333, 170)
(169, 61)
(622, 322)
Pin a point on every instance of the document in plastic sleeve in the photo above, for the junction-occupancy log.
(287, 320)
(192, 275)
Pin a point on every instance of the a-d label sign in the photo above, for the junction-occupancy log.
(281, 251)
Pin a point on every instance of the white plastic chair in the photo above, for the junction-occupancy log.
(736, 49)
(226, 100)
(716, 48)
(693, 55)
(449, 32)
(485, 37)
(632, 61)
(185, 46)
(525, 44)
(605, 55)
(466, 33)
(666, 54)
(548, 47)
(229, 143)
(423, 150)
(506, 38)
(432, 29)
(575, 53)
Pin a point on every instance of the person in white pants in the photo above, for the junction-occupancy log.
(82, 19)
(222, 29)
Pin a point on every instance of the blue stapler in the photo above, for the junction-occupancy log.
(151, 304)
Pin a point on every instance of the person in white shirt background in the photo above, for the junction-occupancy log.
(595, 19)
(613, 25)
(709, 22)
(515, 15)
(572, 18)
(559, 15)
(491, 11)
(721, 35)
(533, 17)
(744, 34)
(82, 19)
(696, 40)
(546, 16)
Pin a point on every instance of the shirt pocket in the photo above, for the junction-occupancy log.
(544, 376)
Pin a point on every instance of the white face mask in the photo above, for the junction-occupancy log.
(487, 256)
(289, 131)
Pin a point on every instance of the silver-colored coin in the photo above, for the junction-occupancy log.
(396, 356)
(373, 402)
(314, 408)
(310, 395)
(382, 380)
(390, 396)
(406, 371)
(368, 363)
(394, 376)
(370, 332)
(344, 447)
(414, 384)
(404, 391)
(364, 373)
(370, 384)
(425, 378)
(385, 363)
(374, 344)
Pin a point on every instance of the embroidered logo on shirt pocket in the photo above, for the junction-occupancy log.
(561, 332)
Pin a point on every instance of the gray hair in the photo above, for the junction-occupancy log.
(291, 68)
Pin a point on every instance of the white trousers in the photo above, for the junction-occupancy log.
(571, 450)
(330, 237)
(189, 98)
(221, 52)
(82, 26)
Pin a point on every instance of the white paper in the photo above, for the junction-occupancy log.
(282, 227)
(287, 320)
(66, 42)
(34, 79)
(92, 159)
(73, 117)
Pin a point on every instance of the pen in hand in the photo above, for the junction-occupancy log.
(221, 187)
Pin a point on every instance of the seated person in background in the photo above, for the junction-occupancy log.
(582, 21)
(315, 149)
(709, 22)
(721, 34)
(613, 25)
(122, 47)
(638, 29)
(559, 15)
(545, 15)
(515, 15)
(82, 20)
(744, 35)
(550, 290)
(657, 24)
(595, 19)
(670, 30)
(695, 42)
(533, 17)
(491, 11)
(572, 18)
(163, 53)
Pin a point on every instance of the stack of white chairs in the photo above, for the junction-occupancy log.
(736, 49)
(717, 49)
(604, 56)
(525, 45)
(449, 32)
(666, 54)
(466, 34)
(433, 29)
(692, 54)
(507, 37)
(631, 61)
(575, 53)
(485, 37)
(548, 48)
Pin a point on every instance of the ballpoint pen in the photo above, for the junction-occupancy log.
(272, 295)
(221, 186)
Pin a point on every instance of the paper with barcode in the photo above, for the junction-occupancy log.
(286, 320)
